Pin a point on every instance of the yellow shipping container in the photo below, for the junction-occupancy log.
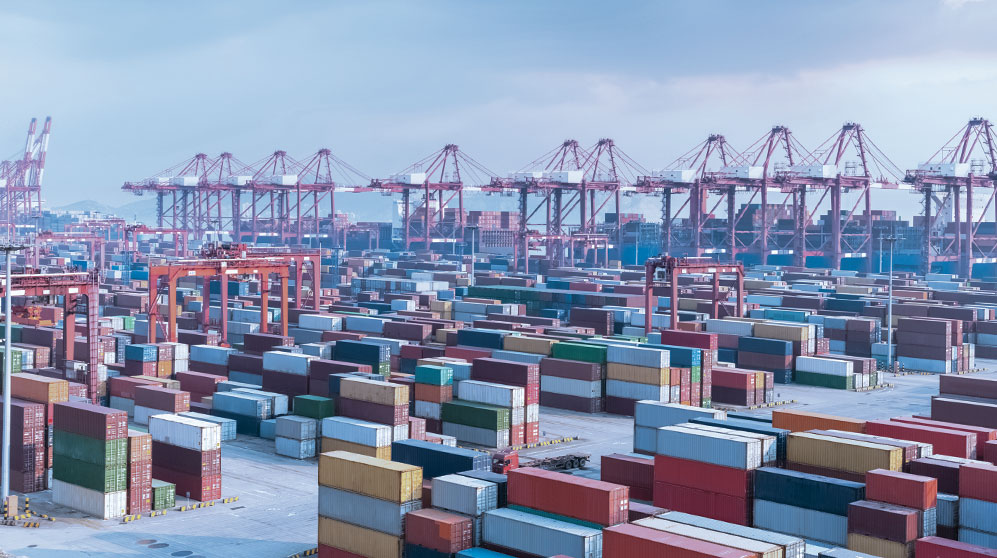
(332, 444)
(637, 374)
(853, 456)
(374, 391)
(440, 305)
(782, 331)
(441, 334)
(880, 547)
(378, 478)
(531, 345)
(358, 540)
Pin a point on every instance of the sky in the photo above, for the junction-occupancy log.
(135, 87)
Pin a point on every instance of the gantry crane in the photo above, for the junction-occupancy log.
(674, 267)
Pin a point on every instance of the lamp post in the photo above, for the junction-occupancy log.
(474, 231)
(891, 240)
(7, 247)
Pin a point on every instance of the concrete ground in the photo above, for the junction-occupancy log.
(275, 515)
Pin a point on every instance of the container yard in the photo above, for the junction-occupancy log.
(774, 346)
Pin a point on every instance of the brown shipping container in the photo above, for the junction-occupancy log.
(192, 462)
(374, 391)
(139, 446)
(841, 454)
(363, 410)
(438, 530)
(799, 421)
(124, 386)
(946, 472)
(883, 521)
(358, 540)
(90, 420)
(968, 386)
(377, 478)
(380, 452)
(32, 387)
(975, 413)
(155, 397)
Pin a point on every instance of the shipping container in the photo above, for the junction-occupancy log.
(378, 478)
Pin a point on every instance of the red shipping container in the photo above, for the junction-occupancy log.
(978, 482)
(532, 433)
(902, 489)
(200, 488)
(183, 460)
(990, 452)
(467, 353)
(945, 442)
(435, 394)
(90, 420)
(416, 428)
(937, 547)
(572, 369)
(155, 397)
(198, 382)
(124, 386)
(689, 339)
(703, 476)
(438, 530)
(722, 507)
(883, 521)
(630, 541)
(983, 435)
(373, 412)
(136, 368)
(516, 434)
(586, 499)
(637, 473)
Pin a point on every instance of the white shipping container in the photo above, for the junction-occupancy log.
(569, 386)
(399, 432)
(517, 415)
(656, 414)
(182, 365)
(491, 393)
(371, 513)
(296, 428)
(634, 390)
(638, 356)
(298, 449)
(464, 495)
(107, 505)
(291, 363)
(357, 431)
(824, 365)
(540, 536)
(185, 432)
(533, 413)
(322, 322)
(709, 447)
(801, 522)
(757, 547)
(480, 436)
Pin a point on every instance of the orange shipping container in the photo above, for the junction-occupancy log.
(801, 421)
(39, 389)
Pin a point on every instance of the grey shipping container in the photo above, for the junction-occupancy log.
(372, 513)
(542, 536)
(464, 494)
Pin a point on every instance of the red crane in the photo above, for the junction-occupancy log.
(965, 165)
(21, 180)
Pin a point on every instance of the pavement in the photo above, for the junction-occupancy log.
(275, 515)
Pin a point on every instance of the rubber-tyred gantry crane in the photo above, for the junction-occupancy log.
(674, 267)
(95, 244)
(964, 166)
(80, 296)
(179, 238)
(300, 258)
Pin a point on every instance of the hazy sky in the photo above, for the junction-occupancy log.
(136, 86)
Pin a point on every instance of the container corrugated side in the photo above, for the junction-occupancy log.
(357, 431)
(978, 515)
(793, 547)
(567, 386)
(538, 535)
(759, 548)
(769, 445)
(880, 547)
(98, 504)
(185, 432)
(634, 390)
(657, 413)
(840, 454)
(332, 444)
(474, 435)
(374, 391)
(710, 447)
(378, 478)
(464, 495)
(809, 524)
(359, 540)
(296, 428)
(638, 356)
(491, 393)
(298, 449)
(365, 511)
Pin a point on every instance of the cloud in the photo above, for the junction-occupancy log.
(956, 4)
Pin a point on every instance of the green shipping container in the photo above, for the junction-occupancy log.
(479, 415)
(825, 380)
(314, 406)
(580, 351)
(164, 495)
(434, 375)
(95, 477)
(112, 453)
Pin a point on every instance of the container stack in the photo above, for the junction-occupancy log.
(164, 495)
(899, 509)
(139, 472)
(513, 532)
(633, 470)
(505, 396)
(926, 344)
(28, 457)
(826, 372)
(210, 359)
(520, 374)
(199, 384)
(436, 530)
(966, 400)
(476, 423)
(559, 375)
(651, 415)
(246, 409)
(181, 356)
(90, 466)
(809, 506)
(770, 355)
(978, 504)
(708, 471)
(637, 374)
(378, 357)
(362, 504)
(375, 401)
(155, 400)
(437, 460)
(141, 359)
(467, 496)
(295, 436)
(164, 360)
(433, 387)
(356, 436)
(188, 453)
(286, 373)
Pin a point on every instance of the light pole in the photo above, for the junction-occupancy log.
(474, 231)
(880, 252)
(7, 247)
(891, 239)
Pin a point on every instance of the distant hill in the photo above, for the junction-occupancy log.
(141, 209)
